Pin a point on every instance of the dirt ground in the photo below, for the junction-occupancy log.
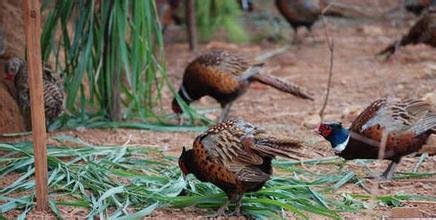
(358, 79)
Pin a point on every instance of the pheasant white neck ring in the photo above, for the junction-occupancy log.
(185, 94)
(341, 147)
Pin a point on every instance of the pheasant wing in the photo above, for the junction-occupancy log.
(392, 115)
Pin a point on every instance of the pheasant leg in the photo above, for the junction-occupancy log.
(225, 112)
(222, 210)
(389, 172)
(238, 205)
(296, 39)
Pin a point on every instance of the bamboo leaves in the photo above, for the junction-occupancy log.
(110, 52)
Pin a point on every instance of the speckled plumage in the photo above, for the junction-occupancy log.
(53, 92)
(423, 31)
(236, 156)
(407, 124)
(225, 76)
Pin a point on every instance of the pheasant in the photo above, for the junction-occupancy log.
(406, 125)
(424, 31)
(225, 77)
(299, 13)
(236, 157)
(168, 13)
(246, 5)
(16, 69)
(304, 13)
(418, 6)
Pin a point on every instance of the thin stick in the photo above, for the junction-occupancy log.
(32, 30)
(331, 46)
(192, 24)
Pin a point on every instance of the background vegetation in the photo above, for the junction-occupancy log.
(110, 54)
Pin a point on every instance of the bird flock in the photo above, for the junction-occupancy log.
(236, 155)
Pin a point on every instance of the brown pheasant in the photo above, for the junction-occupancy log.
(304, 13)
(225, 77)
(418, 6)
(236, 156)
(424, 31)
(299, 13)
(16, 69)
(167, 13)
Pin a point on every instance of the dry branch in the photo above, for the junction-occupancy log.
(331, 47)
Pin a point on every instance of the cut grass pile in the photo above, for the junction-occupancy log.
(132, 181)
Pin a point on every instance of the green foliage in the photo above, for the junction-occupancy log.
(105, 46)
(215, 14)
(131, 182)
(120, 178)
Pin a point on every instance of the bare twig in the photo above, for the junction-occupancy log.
(331, 46)
(191, 23)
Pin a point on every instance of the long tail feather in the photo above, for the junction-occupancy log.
(286, 147)
(337, 9)
(282, 85)
(388, 51)
(428, 123)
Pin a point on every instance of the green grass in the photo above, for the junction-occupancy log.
(120, 181)
(105, 50)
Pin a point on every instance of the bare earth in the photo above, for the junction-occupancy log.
(358, 79)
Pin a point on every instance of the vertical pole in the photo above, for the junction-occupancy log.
(32, 29)
(191, 23)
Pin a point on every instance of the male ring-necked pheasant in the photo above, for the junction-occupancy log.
(423, 31)
(407, 124)
(16, 69)
(236, 157)
(225, 77)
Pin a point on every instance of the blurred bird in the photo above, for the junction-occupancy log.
(167, 10)
(418, 6)
(225, 77)
(304, 13)
(236, 156)
(423, 31)
(16, 69)
(407, 125)
(246, 5)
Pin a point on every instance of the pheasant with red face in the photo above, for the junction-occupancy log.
(424, 31)
(236, 157)
(404, 124)
(16, 69)
(225, 77)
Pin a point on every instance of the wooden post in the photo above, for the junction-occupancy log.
(32, 29)
(191, 23)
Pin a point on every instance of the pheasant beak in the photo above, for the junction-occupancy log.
(9, 76)
(180, 119)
